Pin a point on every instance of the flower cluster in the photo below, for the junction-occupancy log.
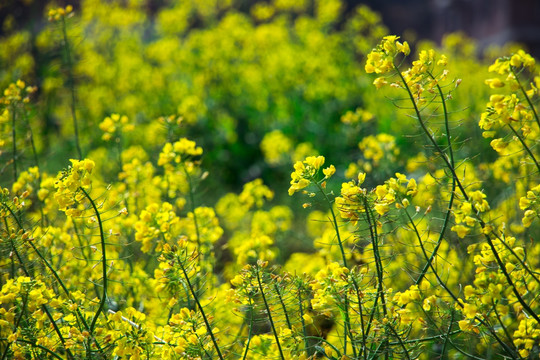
(426, 250)
(530, 203)
(305, 173)
(71, 182)
(57, 14)
(113, 126)
(17, 92)
(157, 225)
(381, 59)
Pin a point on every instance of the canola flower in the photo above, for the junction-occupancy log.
(424, 257)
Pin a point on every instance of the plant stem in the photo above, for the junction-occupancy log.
(347, 325)
(250, 329)
(208, 327)
(104, 260)
(522, 141)
(280, 297)
(533, 109)
(301, 311)
(51, 319)
(498, 260)
(334, 222)
(56, 276)
(364, 335)
(269, 313)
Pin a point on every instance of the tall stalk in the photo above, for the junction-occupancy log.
(269, 313)
(206, 322)
(347, 325)
(103, 260)
(452, 169)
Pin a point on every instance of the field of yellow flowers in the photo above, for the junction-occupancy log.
(286, 180)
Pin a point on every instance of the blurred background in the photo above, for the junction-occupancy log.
(258, 84)
(487, 21)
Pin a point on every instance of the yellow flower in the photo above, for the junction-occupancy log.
(494, 83)
(461, 230)
(470, 310)
(329, 171)
(307, 319)
(380, 82)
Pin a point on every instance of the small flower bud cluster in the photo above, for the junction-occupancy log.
(57, 14)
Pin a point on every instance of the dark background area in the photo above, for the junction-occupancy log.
(488, 21)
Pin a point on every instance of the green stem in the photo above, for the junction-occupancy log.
(104, 261)
(466, 197)
(447, 337)
(400, 341)
(505, 329)
(441, 234)
(452, 192)
(51, 319)
(195, 222)
(346, 326)
(55, 274)
(430, 138)
(250, 328)
(533, 109)
(208, 327)
(364, 342)
(334, 222)
(280, 297)
(41, 347)
(269, 313)
(301, 311)
(522, 141)
(378, 262)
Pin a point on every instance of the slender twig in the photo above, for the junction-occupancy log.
(362, 326)
(445, 158)
(104, 260)
(250, 306)
(49, 315)
(533, 109)
(334, 222)
(301, 311)
(375, 244)
(400, 340)
(347, 325)
(55, 274)
(269, 313)
(505, 329)
(372, 224)
(452, 192)
(280, 297)
(522, 141)
(196, 298)
(41, 347)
